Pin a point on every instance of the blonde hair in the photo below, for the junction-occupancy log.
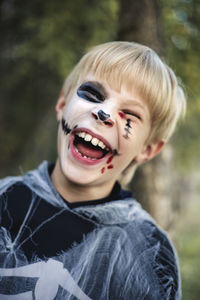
(134, 66)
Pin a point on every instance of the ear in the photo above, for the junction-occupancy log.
(149, 151)
(60, 106)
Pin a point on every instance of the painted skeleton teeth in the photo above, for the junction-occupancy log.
(95, 141)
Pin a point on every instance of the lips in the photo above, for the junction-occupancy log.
(88, 147)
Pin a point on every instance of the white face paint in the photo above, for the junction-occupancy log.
(124, 130)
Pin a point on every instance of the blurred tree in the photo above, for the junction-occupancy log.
(181, 22)
(139, 21)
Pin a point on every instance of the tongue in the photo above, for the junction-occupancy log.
(89, 151)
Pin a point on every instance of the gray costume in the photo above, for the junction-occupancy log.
(125, 256)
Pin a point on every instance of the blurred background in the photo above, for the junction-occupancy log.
(40, 41)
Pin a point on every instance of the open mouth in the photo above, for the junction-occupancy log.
(89, 147)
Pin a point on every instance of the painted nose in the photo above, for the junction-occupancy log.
(103, 117)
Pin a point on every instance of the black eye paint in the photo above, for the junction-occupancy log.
(92, 91)
(127, 129)
(65, 127)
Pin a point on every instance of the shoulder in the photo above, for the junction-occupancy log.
(146, 230)
(153, 260)
(14, 194)
(24, 181)
(8, 182)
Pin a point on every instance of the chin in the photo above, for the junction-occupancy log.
(80, 180)
(79, 177)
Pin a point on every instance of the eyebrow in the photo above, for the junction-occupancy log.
(135, 103)
(96, 87)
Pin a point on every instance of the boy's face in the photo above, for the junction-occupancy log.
(101, 132)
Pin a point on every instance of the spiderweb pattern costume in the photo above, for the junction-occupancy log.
(122, 255)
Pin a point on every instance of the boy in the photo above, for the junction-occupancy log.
(68, 231)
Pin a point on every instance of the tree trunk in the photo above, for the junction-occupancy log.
(139, 21)
(152, 184)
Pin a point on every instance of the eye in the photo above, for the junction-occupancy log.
(87, 96)
(90, 93)
(136, 115)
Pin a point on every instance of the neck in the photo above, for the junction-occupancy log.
(74, 192)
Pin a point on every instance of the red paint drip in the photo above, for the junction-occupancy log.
(121, 114)
(103, 170)
(109, 159)
(110, 166)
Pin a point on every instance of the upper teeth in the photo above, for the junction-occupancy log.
(95, 141)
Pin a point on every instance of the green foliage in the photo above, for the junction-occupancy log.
(40, 42)
(181, 20)
(59, 31)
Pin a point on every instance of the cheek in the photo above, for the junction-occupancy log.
(77, 107)
(71, 112)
